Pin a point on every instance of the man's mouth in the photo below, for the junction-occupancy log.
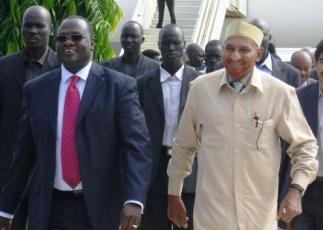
(68, 52)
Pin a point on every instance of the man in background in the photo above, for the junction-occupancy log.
(132, 62)
(16, 69)
(302, 61)
(271, 64)
(213, 56)
(162, 95)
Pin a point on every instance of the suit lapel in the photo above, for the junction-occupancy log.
(92, 87)
(156, 89)
(187, 78)
(312, 103)
(277, 69)
(51, 61)
(52, 98)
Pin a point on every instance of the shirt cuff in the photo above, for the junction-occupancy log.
(6, 215)
(137, 203)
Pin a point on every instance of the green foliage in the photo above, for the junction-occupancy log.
(104, 16)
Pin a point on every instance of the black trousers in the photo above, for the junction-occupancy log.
(161, 8)
(155, 212)
(69, 212)
(312, 202)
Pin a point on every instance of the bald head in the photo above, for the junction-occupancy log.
(195, 55)
(302, 61)
(263, 25)
(38, 11)
(36, 28)
(171, 28)
(171, 44)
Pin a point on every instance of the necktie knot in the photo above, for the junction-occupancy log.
(74, 80)
(237, 85)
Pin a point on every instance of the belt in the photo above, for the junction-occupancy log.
(73, 193)
(167, 150)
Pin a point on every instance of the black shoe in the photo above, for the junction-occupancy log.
(159, 25)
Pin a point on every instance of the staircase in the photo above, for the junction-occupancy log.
(186, 12)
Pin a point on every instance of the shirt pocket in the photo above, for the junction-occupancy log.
(266, 135)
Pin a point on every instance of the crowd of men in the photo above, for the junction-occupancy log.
(226, 137)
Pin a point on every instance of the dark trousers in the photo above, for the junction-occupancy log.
(20, 219)
(312, 216)
(155, 213)
(161, 8)
(68, 212)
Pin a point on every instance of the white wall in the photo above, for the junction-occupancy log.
(293, 23)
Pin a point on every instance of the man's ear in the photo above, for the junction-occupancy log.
(92, 44)
(51, 28)
(142, 40)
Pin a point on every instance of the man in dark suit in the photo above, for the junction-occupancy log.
(273, 65)
(15, 69)
(311, 100)
(162, 94)
(132, 62)
(84, 140)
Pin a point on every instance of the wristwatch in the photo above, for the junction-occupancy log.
(298, 187)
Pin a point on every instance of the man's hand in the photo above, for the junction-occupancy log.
(291, 205)
(130, 217)
(5, 223)
(177, 211)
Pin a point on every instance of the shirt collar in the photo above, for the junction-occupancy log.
(164, 75)
(268, 62)
(41, 60)
(252, 79)
(82, 73)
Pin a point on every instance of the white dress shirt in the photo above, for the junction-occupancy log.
(83, 74)
(171, 86)
(267, 65)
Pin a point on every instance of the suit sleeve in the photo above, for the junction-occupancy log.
(136, 149)
(22, 164)
(185, 148)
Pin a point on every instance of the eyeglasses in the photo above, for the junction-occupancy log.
(72, 37)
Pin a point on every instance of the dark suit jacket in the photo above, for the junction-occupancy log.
(151, 99)
(12, 79)
(144, 65)
(285, 72)
(308, 97)
(112, 141)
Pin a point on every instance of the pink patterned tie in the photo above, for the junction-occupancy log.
(70, 161)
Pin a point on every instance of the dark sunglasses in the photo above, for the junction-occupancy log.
(73, 37)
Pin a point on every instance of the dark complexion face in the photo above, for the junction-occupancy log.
(36, 27)
(74, 54)
(131, 38)
(239, 56)
(303, 62)
(171, 44)
(212, 56)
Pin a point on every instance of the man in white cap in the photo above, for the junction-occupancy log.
(234, 118)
